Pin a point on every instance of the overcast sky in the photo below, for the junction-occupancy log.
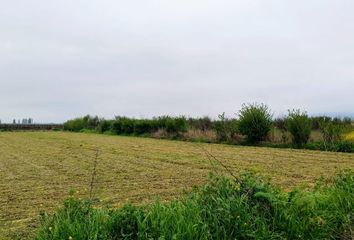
(63, 59)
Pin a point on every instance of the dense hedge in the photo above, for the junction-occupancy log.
(128, 126)
(253, 124)
(316, 122)
(340, 146)
(86, 122)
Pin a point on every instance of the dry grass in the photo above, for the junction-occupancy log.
(200, 135)
(277, 136)
(37, 170)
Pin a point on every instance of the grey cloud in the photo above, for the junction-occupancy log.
(66, 58)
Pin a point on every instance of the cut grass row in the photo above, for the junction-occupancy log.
(38, 169)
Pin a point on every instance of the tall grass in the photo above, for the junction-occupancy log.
(244, 208)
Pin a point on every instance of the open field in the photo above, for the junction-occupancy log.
(37, 170)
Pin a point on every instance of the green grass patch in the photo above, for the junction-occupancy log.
(245, 208)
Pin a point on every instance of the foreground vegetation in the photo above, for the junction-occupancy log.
(252, 126)
(38, 169)
(241, 208)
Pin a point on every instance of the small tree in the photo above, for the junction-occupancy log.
(255, 121)
(299, 125)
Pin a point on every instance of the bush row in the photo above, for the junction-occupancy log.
(341, 146)
(317, 121)
(128, 126)
(86, 122)
(253, 122)
(245, 208)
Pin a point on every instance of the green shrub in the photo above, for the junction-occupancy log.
(255, 121)
(116, 127)
(225, 128)
(144, 126)
(317, 121)
(347, 121)
(91, 122)
(104, 126)
(78, 124)
(280, 123)
(123, 223)
(173, 126)
(344, 146)
(75, 125)
(299, 125)
(131, 126)
(123, 125)
(203, 124)
(245, 208)
(331, 133)
(127, 125)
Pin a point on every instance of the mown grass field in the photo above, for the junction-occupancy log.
(38, 169)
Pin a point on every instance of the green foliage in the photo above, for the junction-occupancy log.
(143, 126)
(331, 133)
(131, 126)
(128, 126)
(225, 128)
(203, 124)
(341, 146)
(124, 223)
(91, 122)
(104, 126)
(255, 121)
(123, 125)
(172, 125)
(343, 122)
(78, 124)
(347, 121)
(344, 146)
(74, 125)
(317, 121)
(75, 220)
(280, 123)
(299, 125)
(244, 208)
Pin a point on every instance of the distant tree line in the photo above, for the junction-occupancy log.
(128, 126)
(253, 124)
